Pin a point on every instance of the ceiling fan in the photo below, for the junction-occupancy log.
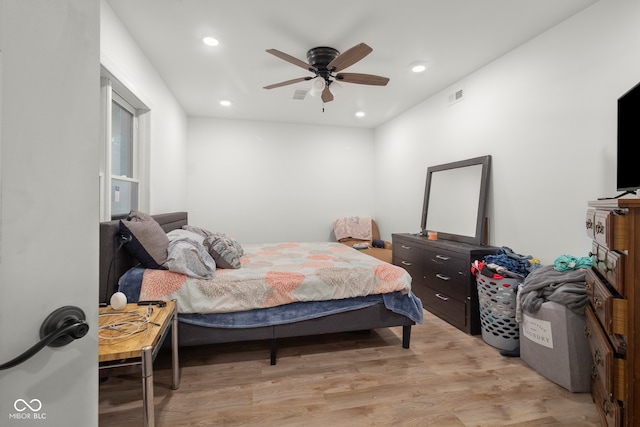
(326, 63)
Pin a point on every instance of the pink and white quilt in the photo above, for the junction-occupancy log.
(277, 274)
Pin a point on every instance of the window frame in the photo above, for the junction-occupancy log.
(113, 90)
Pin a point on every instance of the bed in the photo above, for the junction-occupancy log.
(277, 320)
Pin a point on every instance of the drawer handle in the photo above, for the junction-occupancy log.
(599, 228)
(442, 297)
(405, 247)
(597, 303)
(442, 257)
(589, 224)
(594, 372)
(587, 332)
(606, 406)
(587, 286)
(443, 277)
(597, 357)
(407, 263)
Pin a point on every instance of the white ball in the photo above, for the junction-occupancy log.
(118, 301)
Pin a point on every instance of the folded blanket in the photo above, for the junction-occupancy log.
(548, 284)
(356, 227)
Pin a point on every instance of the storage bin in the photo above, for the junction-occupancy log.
(497, 298)
(552, 342)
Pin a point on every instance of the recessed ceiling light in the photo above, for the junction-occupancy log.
(418, 67)
(360, 114)
(210, 41)
(225, 103)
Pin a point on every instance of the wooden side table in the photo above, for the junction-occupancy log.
(133, 336)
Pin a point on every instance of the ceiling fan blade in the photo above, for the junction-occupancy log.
(349, 57)
(327, 96)
(291, 59)
(288, 82)
(362, 79)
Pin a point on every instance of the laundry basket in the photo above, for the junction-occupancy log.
(497, 299)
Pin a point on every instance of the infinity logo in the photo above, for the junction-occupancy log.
(21, 405)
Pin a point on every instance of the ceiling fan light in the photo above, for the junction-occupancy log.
(335, 88)
(317, 84)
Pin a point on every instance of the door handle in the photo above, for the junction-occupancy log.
(58, 329)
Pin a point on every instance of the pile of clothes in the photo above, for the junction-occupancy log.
(505, 264)
(563, 282)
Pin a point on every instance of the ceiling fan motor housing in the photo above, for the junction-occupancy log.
(320, 57)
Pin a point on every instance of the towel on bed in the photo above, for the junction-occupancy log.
(356, 227)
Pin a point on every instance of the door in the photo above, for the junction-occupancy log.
(49, 130)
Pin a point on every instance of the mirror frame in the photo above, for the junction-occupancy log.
(479, 238)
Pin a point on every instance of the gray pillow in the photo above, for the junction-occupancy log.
(148, 243)
(225, 250)
(190, 258)
(197, 230)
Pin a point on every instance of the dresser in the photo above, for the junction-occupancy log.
(613, 314)
(441, 276)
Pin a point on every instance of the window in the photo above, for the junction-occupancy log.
(124, 180)
(123, 174)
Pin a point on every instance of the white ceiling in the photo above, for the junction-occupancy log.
(454, 37)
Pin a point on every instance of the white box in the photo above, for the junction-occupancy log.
(552, 342)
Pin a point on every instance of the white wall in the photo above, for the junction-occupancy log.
(49, 206)
(123, 58)
(268, 182)
(546, 112)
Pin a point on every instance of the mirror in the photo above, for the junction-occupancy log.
(455, 200)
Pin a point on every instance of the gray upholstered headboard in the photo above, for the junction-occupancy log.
(113, 262)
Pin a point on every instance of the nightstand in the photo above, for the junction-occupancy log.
(133, 337)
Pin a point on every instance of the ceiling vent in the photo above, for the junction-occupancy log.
(456, 96)
(300, 93)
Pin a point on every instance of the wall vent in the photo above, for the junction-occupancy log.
(300, 93)
(456, 96)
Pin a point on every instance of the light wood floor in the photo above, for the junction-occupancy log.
(446, 378)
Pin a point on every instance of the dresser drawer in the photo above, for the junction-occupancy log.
(610, 230)
(610, 311)
(614, 270)
(407, 252)
(446, 307)
(447, 274)
(610, 410)
(607, 370)
(413, 268)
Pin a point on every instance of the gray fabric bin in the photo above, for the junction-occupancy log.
(552, 342)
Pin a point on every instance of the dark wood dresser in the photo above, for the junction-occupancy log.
(613, 315)
(441, 276)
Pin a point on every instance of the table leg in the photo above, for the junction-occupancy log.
(147, 386)
(175, 365)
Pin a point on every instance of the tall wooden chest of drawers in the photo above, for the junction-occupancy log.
(613, 315)
(441, 276)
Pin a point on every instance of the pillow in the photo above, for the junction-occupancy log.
(181, 233)
(197, 230)
(190, 258)
(225, 250)
(148, 242)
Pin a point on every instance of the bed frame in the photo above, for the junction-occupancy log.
(115, 261)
